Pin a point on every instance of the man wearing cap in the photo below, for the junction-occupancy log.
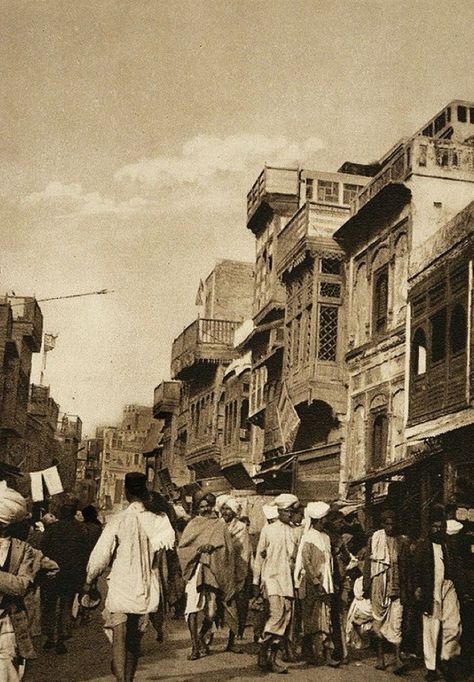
(386, 584)
(129, 543)
(273, 574)
(314, 579)
(437, 579)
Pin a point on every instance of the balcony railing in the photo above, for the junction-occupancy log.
(166, 398)
(423, 156)
(272, 181)
(27, 313)
(313, 220)
(204, 340)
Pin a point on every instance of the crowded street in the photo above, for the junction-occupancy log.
(88, 662)
(236, 341)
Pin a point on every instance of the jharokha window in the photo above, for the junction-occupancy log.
(380, 300)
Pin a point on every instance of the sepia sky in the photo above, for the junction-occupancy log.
(130, 133)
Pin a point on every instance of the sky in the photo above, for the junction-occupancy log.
(130, 133)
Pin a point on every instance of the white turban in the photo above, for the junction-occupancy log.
(285, 500)
(453, 527)
(233, 503)
(12, 505)
(270, 512)
(221, 501)
(317, 510)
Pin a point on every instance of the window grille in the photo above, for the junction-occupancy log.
(381, 300)
(328, 191)
(331, 266)
(350, 192)
(309, 189)
(327, 338)
(330, 289)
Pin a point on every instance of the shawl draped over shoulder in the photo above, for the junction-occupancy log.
(218, 567)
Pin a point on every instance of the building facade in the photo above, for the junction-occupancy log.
(423, 183)
(122, 451)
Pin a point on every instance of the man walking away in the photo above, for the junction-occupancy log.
(66, 543)
(129, 544)
(437, 577)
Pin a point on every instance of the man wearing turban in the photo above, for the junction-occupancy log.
(207, 558)
(315, 581)
(16, 575)
(230, 511)
(273, 575)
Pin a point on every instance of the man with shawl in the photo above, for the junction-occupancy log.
(16, 576)
(273, 574)
(314, 580)
(386, 576)
(129, 544)
(230, 510)
(207, 558)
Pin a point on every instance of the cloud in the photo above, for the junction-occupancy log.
(205, 157)
(210, 175)
(71, 200)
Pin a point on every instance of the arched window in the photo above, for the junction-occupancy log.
(380, 300)
(458, 329)
(379, 440)
(418, 352)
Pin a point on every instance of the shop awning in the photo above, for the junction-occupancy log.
(275, 465)
(396, 468)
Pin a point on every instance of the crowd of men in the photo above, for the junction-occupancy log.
(313, 584)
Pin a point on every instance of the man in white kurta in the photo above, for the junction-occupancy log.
(129, 543)
(273, 575)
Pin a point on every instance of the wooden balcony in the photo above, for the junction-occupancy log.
(311, 228)
(166, 399)
(204, 341)
(421, 156)
(273, 187)
(28, 319)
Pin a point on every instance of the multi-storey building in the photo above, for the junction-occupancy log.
(167, 459)
(122, 451)
(41, 426)
(88, 469)
(293, 214)
(68, 435)
(191, 405)
(21, 328)
(423, 182)
(310, 265)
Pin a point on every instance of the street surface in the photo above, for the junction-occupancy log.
(88, 660)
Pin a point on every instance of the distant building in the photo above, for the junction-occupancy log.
(122, 451)
(191, 405)
(21, 329)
